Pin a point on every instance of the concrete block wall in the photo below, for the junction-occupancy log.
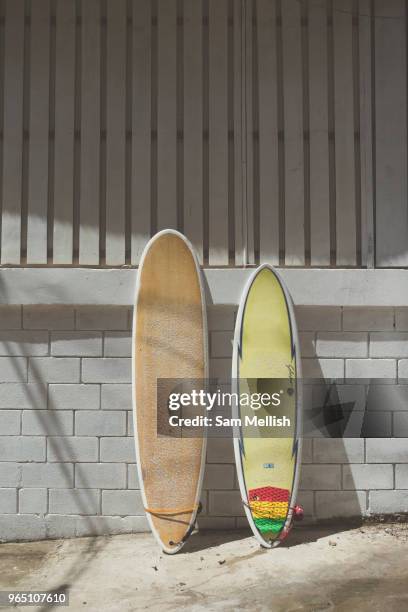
(67, 464)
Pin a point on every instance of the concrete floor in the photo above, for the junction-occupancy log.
(319, 568)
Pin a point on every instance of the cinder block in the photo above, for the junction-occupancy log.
(19, 527)
(116, 397)
(130, 424)
(33, 501)
(104, 525)
(21, 395)
(8, 501)
(388, 502)
(22, 448)
(133, 478)
(100, 423)
(400, 424)
(318, 318)
(117, 344)
(220, 370)
(26, 343)
(47, 423)
(320, 398)
(204, 503)
(118, 449)
(307, 344)
(218, 476)
(13, 369)
(386, 450)
(10, 316)
(340, 504)
(106, 370)
(74, 501)
(56, 475)
(342, 344)
(221, 318)
(74, 397)
(241, 523)
(220, 450)
(76, 344)
(371, 368)
(71, 449)
(321, 394)
(81, 526)
(307, 450)
(307, 394)
(10, 422)
(10, 474)
(387, 397)
(53, 369)
(389, 344)
(323, 368)
(403, 370)
(221, 344)
(63, 526)
(122, 503)
(216, 523)
(102, 317)
(368, 319)
(225, 503)
(366, 476)
(130, 318)
(338, 450)
(320, 477)
(377, 424)
(401, 318)
(401, 476)
(48, 317)
(100, 476)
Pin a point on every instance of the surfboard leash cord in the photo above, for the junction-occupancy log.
(190, 530)
(173, 511)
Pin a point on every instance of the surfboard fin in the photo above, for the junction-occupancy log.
(284, 534)
(190, 530)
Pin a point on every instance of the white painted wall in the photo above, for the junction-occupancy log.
(67, 463)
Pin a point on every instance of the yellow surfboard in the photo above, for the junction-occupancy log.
(266, 363)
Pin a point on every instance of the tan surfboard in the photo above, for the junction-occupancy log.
(169, 342)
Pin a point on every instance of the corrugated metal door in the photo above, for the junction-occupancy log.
(266, 130)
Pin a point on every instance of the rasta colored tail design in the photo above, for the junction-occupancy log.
(269, 507)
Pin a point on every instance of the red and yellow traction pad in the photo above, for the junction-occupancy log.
(269, 507)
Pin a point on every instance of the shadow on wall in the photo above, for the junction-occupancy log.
(48, 418)
(327, 487)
